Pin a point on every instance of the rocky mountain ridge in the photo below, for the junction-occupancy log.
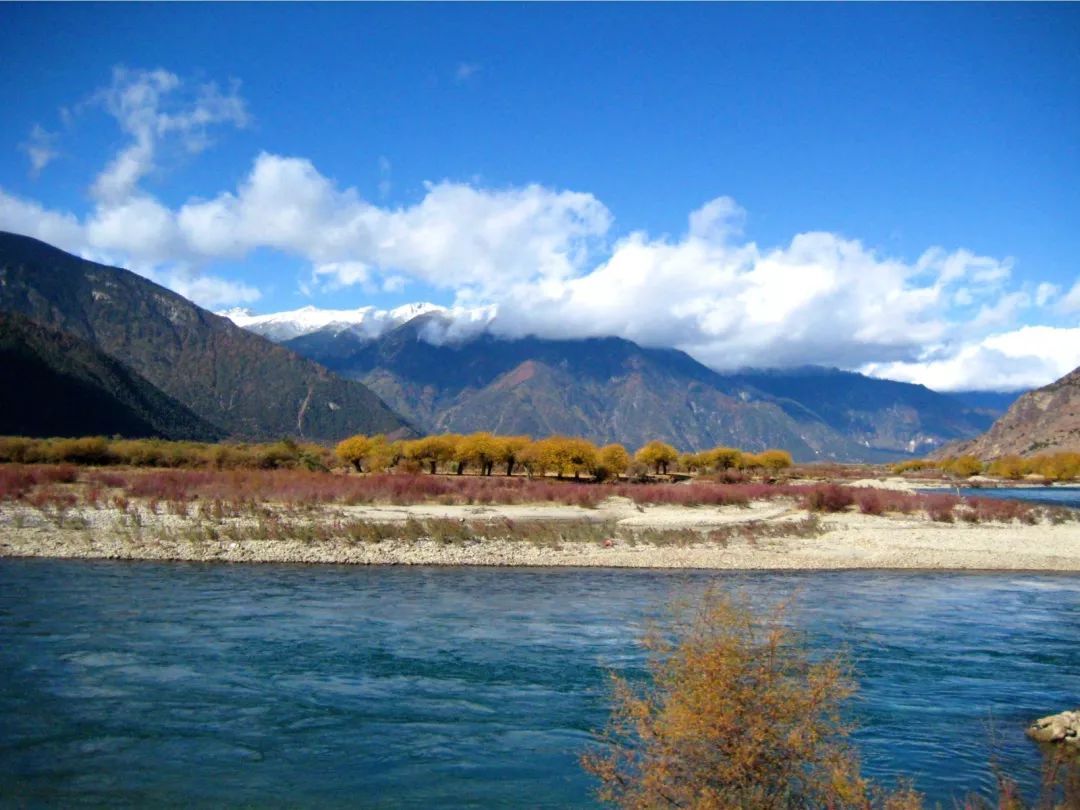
(1046, 420)
(610, 389)
(241, 384)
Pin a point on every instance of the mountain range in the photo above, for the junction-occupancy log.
(146, 361)
(235, 383)
(610, 389)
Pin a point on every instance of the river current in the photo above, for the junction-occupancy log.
(126, 684)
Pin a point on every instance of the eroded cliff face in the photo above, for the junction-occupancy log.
(1046, 420)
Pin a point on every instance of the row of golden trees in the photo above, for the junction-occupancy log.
(1063, 466)
(565, 456)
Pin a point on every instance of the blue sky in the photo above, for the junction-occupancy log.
(894, 188)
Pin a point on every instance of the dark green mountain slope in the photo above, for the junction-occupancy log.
(53, 384)
(240, 383)
(610, 389)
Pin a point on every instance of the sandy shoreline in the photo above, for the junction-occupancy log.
(771, 535)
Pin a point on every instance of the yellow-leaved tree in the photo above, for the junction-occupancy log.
(478, 449)
(613, 461)
(508, 450)
(354, 450)
(657, 455)
(432, 450)
(724, 458)
(737, 715)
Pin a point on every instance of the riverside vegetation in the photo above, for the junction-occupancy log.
(737, 714)
(206, 495)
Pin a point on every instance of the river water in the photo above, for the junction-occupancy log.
(1049, 496)
(214, 685)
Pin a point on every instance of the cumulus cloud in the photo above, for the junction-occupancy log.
(211, 292)
(28, 217)
(537, 260)
(729, 302)
(1028, 357)
(457, 236)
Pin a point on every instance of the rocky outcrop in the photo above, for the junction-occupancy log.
(1046, 420)
(1057, 728)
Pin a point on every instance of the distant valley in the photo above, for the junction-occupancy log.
(609, 389)
(146, 361)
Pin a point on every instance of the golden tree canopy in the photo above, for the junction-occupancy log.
(657, 454)
(737, 715)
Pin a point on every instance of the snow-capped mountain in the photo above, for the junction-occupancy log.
(367, 322)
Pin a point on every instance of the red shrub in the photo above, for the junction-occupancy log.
(827, 498)
(940, 507)
(15, 481)
(869, 501)
(1003, 511)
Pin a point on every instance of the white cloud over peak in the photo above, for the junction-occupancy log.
(535, 260)
(456, 236)
(1028, 357)
(211, 292)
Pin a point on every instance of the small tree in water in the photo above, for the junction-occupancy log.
(737, 715)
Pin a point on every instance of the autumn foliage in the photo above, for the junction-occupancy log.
(735, 715)
(562, 456)
(1062, 466)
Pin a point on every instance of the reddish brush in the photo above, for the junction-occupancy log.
(827, 498)
(940, 507)
(869, 501)
(1002, 511)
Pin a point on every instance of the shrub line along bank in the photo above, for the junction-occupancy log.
(1063, 466)
(482, 453)
(61, 487)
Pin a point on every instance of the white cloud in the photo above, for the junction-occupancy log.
(456, 236)
(128, 225)
(344, 274)
(1071, 302)
(28, 217)
(212, 292)
(152, 105)
(1028, 357)
(40, 148)
(821, 298)
(544, 261)
(1045, 293)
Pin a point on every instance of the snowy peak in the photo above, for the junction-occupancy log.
(367, 322)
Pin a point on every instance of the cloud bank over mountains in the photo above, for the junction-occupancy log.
(552, 262)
